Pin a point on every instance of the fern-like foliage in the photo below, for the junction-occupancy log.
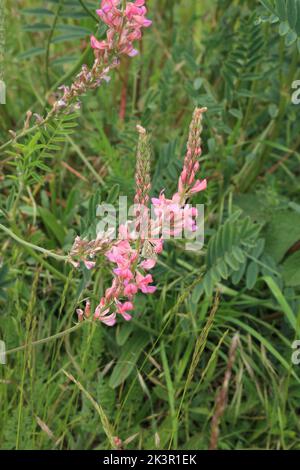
(239, 69)
(30, 157)
(228, 250)
(52, 24)
(287, 14)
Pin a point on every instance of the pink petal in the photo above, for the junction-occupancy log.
(148, 264)
(199, 186)
(110, 320)
(89, 264)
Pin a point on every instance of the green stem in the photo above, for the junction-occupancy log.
(31, 245)
(88, 11)
(85, 160)
(45, 340)
(49, 43)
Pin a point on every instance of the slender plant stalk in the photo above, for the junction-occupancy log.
(61, 334)
(221, 400)
(31, 245)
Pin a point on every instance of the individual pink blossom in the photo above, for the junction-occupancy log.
(198, 186)
(158, 245)
(143, 283)
(148, 264)
(101, 45)
(130, 290)
(113, 291)
(101, 313)
(123, 308)
(87, 310)
(124, 273)
(89, 264)
(80, 314)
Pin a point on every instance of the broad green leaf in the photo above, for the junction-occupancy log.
(33, 52)
(291, 270)
(282, 232)
(37, 12)
(130, 354)
(281, 9)
(292, 13)
(37, 27)
(297, 25)
(251, 275)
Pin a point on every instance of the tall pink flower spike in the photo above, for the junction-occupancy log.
(134, 254)
(125, 25)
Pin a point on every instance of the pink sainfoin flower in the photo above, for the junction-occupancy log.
(124, 27)
(188, 184)
(134, 253)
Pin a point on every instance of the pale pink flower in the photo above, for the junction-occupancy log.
(109, 320)
(113, 291)
(130, 290)
(101, 313)
(89, 264)
(87, 310)
(80, 314)
(173, 215)
(101, 45)
(124, 308)
(143, 283)
(148, 264)
(198, 186)
(158, 245)
(124, 273)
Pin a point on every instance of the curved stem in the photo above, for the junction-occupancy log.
(31, 245)
(45, 340)
(49, 43)
(88, 11)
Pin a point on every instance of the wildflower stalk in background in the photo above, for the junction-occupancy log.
(124, 27)
(142, 173)
(141, 240)
(187, 184)
(125, 21)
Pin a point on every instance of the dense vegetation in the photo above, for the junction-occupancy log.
(154, 381)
